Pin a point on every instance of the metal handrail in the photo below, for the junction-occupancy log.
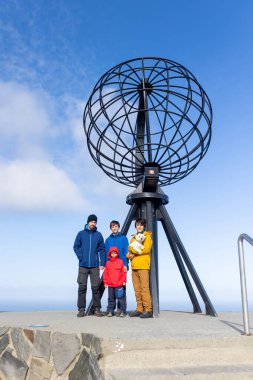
(243, 281)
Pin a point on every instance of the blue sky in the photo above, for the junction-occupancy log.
(52, 54)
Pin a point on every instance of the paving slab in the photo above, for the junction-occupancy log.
(174, 345)
(169, 324)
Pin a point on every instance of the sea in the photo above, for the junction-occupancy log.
(53, 305)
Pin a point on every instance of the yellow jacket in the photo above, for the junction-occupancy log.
(142, 260)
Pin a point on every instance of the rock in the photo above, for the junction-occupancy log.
(39, 370)
(9, 349)
(13, 368)
(86, 368)
(93, 343)
(41, 346)
(20, 343)
(29, 334)
(3, 330)
(4, 341)
(65, 347)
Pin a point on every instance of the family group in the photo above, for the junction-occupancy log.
(112, 256)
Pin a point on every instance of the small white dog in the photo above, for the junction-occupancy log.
(137, 243)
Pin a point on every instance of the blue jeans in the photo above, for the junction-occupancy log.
(112, 299)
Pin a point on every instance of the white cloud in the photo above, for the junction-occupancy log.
(35, 185)
(32, 136)
(23, 112)
(74, 112)
(26, 122)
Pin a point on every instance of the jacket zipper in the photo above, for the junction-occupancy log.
(90, 249)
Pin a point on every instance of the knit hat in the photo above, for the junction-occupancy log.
(92, 218)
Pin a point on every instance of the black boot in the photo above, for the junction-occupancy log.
(80, 314)
(147, 314)
(135, 313)
(98, 313)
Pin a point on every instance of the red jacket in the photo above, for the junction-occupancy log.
(114, 274)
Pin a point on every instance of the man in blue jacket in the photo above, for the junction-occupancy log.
(119, 240)
(90, 250)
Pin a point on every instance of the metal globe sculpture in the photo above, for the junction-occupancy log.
(148, 124)
(148, 111)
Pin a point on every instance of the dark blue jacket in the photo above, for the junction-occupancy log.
(121, 242)
(89, 247)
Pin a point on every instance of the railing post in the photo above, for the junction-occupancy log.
(243, 282)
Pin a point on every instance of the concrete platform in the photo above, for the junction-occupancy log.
(175, 345)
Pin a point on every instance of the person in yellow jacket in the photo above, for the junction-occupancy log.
(140, 263)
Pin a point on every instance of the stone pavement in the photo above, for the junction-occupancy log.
(175, 345)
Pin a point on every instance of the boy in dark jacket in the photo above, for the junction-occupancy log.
(115, 278)
(119, 240)
(90, 250)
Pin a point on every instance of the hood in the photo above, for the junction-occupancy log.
(113, 249)
(118, 234)
(87, 229)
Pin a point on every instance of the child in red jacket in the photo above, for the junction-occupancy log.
(115, 278)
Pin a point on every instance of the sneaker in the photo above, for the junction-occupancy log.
(122, 315)
(109, 315)
(80, 314)
(98, 313)
(147, 314)
(135, 313)
(117, 314)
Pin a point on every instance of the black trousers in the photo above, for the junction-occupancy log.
(112, 298)
(82, 288)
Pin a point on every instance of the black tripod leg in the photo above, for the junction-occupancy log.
(124, 230)
(209, 307)
(185, 277)
(130, 216)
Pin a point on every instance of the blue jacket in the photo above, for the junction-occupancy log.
(89, 247)
(121, 242)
